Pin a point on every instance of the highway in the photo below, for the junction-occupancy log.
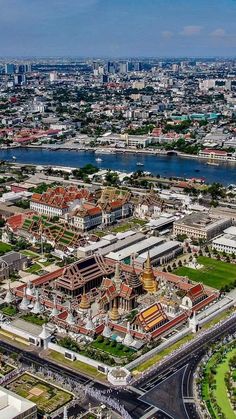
(167, 390)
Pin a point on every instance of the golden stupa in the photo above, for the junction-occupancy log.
(148, 277)
(84, 302)
(114, 313)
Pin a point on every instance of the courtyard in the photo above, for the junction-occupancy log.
(47, 397)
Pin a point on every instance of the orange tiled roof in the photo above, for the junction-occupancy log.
(116, 204)
(61, 197)
(94, 211)
(151, 317)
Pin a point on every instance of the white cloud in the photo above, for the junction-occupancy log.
(167, 34)
(191, 30)
(218, 33)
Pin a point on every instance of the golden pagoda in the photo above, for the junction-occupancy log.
(114, 313)
(148, 277)
(84, 302)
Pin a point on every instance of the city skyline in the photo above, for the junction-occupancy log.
(117, 28)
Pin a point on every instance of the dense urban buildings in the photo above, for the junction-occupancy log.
(113, 267)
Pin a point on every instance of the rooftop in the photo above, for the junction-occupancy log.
(12, 405)
(142, 245)
(201, 220)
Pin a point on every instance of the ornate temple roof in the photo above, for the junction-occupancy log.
(133, 279)
(79, 273)
(151, 317)
(196, 292)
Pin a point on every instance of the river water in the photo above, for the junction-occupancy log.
(168, 166)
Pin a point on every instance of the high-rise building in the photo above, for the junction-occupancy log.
(122, 68)
(137, 66)
(111, 68)
(129, 66)
(23, 68)
(53, 76)
(20, 69)
(10, 68)
(19, 79)
(105, 78)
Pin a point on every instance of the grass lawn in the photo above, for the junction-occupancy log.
(112, 350)
(220, 390)
(122, 228)
(215, 273)
(9, 310)
(139, 222)
(32, 318)
(47, 397)
(156, 358)
(5, 247)
(100, 233)
(76, 365)
(47, 263)
(31, 254)
(34, 268)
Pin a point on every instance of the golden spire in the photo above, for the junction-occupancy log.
(114, 313)
(148, 277)
(84, 302)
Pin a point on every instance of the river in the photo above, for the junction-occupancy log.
(168, 166)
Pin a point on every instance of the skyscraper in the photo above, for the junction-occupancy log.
(9, 68)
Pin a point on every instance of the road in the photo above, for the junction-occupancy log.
(170, 387)
(165, 392)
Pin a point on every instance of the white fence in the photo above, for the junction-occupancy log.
(77, 356)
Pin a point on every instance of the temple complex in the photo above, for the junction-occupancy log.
(96, 296)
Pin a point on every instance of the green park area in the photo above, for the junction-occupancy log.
(214, 273)
(214, 388)
(4, 248)
(47, 397)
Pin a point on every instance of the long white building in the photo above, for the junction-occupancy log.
(135, 249)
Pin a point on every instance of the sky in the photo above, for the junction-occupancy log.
(118, 28)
